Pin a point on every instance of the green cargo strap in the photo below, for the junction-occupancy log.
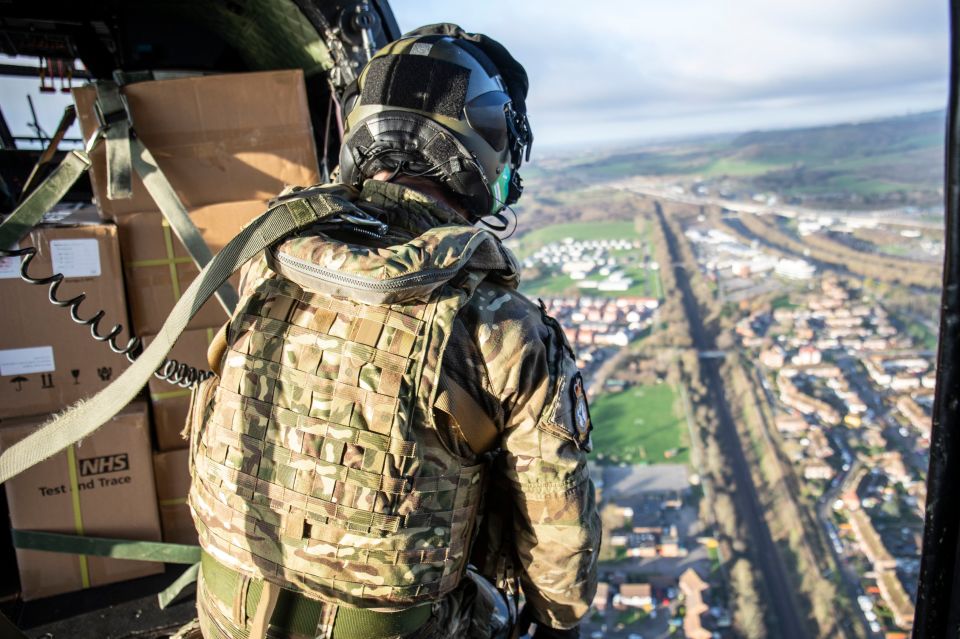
(112, 113)
(176, 214)
(131, 150)
(87, 416)
(297, 614)
(118, 549)
(26, 216)
(171, 592)
(106, 547)
(66, 121)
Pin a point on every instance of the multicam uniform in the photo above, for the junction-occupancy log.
(385, 415)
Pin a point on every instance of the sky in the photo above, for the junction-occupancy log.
(608, 71)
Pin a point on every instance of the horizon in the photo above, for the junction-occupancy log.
(636, 143)
(644, 70)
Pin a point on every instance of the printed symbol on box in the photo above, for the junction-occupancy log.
(19, 380)
(105, 373)
(46, 379)
(76, 376)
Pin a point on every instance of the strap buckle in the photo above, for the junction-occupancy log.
(94, 140)
(120, 112)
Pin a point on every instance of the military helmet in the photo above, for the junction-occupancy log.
(445, 104)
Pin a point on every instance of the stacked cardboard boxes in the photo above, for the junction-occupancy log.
(102, 486)
(47, 361)
(227, 144)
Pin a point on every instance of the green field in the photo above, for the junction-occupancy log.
(533, 240)
(639, 425)
(646, 283)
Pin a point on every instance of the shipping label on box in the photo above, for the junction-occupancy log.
(172, 473)
(158, 268)
(102, 486)
(172, 403)
(221, 138)
(48, 361)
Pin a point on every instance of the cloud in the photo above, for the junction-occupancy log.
(631, 62)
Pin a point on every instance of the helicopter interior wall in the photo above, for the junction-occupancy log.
(177, 36)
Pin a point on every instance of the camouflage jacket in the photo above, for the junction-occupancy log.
(540, 514)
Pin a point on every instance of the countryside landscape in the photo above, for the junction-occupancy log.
(756, 318)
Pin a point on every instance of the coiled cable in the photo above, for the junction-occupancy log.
(171, 371)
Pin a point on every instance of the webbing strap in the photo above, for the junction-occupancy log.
(260, 623)
(118, 549)
(66, 121)
(300, 615)
(112, 113)
(217, 348)
(87, 416)
(126, 151)
(351, 623)
(23, 218)
(171, 592)
(176, 214)
(477, 427)
(106, 547)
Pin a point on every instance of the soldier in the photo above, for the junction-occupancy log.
(389, 408)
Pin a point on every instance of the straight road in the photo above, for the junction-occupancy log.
(781, 597)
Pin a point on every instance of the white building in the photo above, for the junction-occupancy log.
(795, 269)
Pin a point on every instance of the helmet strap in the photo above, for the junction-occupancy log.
(504, 223)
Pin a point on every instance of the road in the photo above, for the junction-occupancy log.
(782, 599)
(890, 218)
(844, 481)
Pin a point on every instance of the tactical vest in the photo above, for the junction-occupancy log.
(315, 458)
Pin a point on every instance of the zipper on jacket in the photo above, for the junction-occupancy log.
(411, 280)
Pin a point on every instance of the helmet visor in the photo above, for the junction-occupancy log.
(486, 114)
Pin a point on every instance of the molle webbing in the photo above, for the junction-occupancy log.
(308, 470)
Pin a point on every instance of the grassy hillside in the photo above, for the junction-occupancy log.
(877, 164)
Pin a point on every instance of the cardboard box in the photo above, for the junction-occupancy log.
(223, 138)
(172, 403)
(173, 484)
(158, 268)
(115, 488)
(48, 361)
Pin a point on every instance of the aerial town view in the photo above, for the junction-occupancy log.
(759, 360)
(384, 319)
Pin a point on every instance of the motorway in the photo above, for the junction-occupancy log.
(781, 596)
(663, 192)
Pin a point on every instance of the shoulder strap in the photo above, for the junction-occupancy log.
(477, 427)
(29, 213)
(86, 417)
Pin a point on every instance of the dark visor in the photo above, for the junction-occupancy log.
(486, 114)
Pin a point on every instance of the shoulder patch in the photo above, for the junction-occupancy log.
(569, 414)
(581, 412)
